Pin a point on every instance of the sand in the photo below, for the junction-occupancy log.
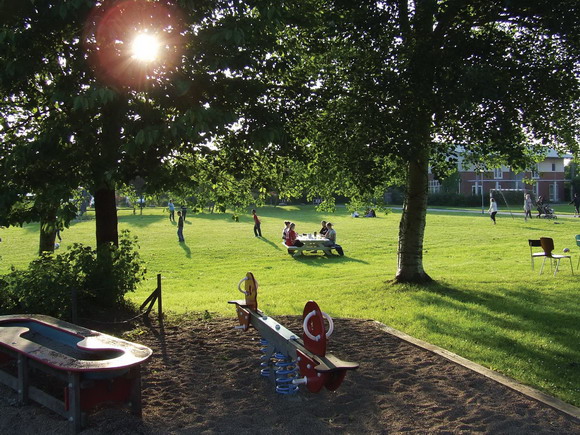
(204, 378)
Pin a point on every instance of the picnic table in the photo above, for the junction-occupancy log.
(92, 367)
(312, 243)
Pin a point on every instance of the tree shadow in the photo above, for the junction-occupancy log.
(507, 314)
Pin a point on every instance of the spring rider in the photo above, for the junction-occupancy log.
(287, 359)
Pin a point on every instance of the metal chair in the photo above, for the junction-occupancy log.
(548, 247)
(536, 244)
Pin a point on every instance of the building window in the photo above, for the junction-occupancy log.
(535, 172)
(497, 173)
(553, 167)
(434, 186)
(476, 188)
(553, 190)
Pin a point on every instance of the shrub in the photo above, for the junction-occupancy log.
(100, 279)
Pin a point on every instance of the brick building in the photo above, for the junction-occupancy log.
(548, 177)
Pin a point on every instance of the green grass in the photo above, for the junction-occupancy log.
(488, 305)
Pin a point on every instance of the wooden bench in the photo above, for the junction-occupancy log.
(92, 367)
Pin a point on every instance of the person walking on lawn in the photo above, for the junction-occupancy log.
(257, 222)
(180, 227)
(492, 209)
(576, 202)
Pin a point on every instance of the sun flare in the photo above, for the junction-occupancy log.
(145, 47)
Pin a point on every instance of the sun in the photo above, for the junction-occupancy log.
(145, 47)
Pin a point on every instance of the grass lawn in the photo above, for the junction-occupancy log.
(488, 305)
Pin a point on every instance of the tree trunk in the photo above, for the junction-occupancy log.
(419, 109)
(47, 233)
(106, 216)
(412, 225)
(48, 225)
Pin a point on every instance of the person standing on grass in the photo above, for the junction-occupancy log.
(180, 227)
(540, 206)
(171, 208)
(492, 209)
(528, 203)
(257, 222)
(184, 211)
(576, 202)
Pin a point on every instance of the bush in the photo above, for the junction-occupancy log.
(455, 200)
(99, 280)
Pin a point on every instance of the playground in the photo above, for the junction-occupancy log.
(204, 378)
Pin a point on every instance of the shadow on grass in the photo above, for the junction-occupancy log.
(269, 242)
(142, 220)
(538, 330)
(186, 249)
(322, 260)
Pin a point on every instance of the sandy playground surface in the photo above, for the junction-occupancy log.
(204, 378)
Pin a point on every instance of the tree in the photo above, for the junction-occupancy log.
(68, 70)
(385, 90)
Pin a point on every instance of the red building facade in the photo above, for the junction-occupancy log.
(547, 178)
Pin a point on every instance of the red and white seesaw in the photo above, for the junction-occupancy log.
(285, 354)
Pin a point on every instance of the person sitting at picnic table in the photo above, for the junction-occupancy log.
(323, 230)
(285, 230)
(331, 236)
(292, 237)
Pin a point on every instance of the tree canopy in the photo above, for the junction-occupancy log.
(388, 90)
(79, 109)
(328, 96)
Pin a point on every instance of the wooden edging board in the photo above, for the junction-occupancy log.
(502, 379)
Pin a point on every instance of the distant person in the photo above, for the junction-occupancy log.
(257, 223)
(331, 236)
(183, 211)
(292, 237)
(180, 227)
(323, 230)
(82, 209)
(492, 209)
(576, 202)
(370, 213)
(540, 205)
(171, 208)
(285, 230)
(355, 214)
(528, 203)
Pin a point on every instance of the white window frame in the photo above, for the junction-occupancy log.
(553, 191)
(434, 186)
(498, 173)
